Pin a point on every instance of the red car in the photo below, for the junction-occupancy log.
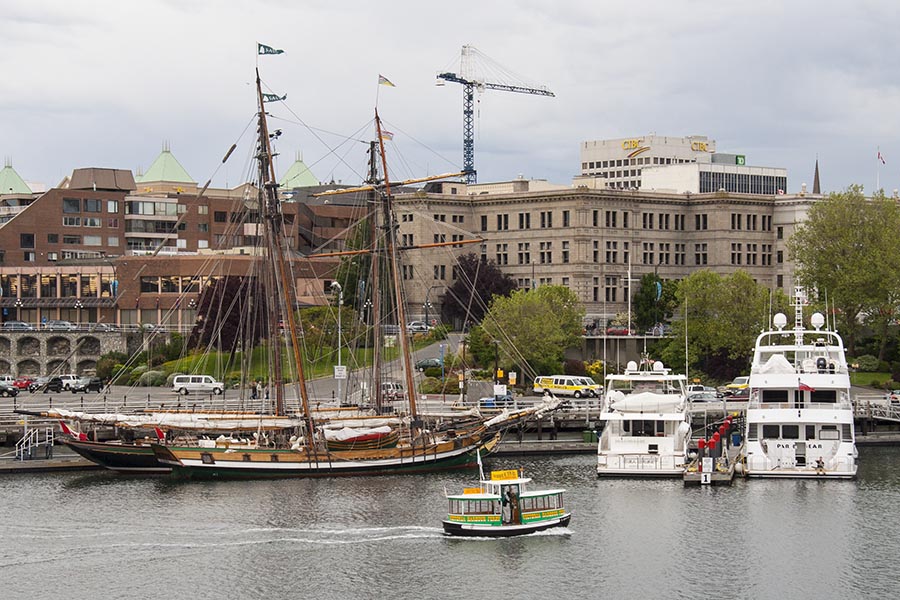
(22, 383)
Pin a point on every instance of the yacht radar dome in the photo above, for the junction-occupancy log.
(817, 321)
(780, 320)
(658, 366)
(631, 366)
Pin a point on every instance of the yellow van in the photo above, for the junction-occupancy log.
(566, 385)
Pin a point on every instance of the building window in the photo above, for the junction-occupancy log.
(735, 254)
(203, 210)
(93, 205)
(566, 222)
(112, 222)
(440, 238)
(612, 253)
(440, 218)
(220, 216)
(92, 222)
(611, 218)
(112, 241)
(610, 289)
(93, 240)
(71, 221)
(524, 220)
(779, 257)
(502, 222)
(565, 252)
(779, 280)
(595, 216)
(112, 207)
(647, 253)
(700, 254)
(546, 219)
(502, 254)
(52, 256)
(52, 238)
(203, 227)
(71, 205)
(484, 220)
(440, 272)
(26, 240)
(29, 257)
(72, 240)
(779, 233)
(596, 252)
(524, 253)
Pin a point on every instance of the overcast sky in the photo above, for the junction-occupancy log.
(105, 83)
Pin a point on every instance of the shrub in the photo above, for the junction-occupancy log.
(867, 363)
(574, 367)
(152, 378)
(434, 372)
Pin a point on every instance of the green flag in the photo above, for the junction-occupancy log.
(263, 49)
(273, 97)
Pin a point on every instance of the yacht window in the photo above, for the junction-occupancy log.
(753, 432)
(790, 432)
(829, 432)
(847, 432)
(660, 427)
(810, 432)
(823, 396)
(777, 396)
(771, 432)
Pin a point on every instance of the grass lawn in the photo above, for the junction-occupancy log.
(867, 379)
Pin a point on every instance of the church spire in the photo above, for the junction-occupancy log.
(816, 188)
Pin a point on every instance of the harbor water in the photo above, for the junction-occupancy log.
(96, 534)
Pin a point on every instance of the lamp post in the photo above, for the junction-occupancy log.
(18, 309)
(427, 307)
(367, 306)
(338, 373)
(427, 304)
(78, 306)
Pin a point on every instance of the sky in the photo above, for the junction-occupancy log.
(105, 83)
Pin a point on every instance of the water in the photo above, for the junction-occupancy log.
(87, 535)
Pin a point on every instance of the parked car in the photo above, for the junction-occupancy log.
(86, 384)
(37, 384)
(391, 391)
(740, 395)
(69, 380)
(428, 363)
(417, 327)
(59, 326)
(496, 401)
(104, 327)
(739, 383)
(617, 330)
(54, 384)
(201, 384)
(7, 379)
(24, 382)
(696, 387)
(704, 396)
(17, 326)
(9, 390)
(893, 396)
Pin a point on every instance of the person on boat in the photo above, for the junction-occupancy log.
(820, 466)
(513, 500)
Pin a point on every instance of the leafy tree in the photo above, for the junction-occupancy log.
(848, 248)
(353, 272)
(723, 316)
(535, 327)
(654, 302)
(476, 284)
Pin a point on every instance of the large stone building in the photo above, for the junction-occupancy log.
(589, 237)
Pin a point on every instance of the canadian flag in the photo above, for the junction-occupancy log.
(81, 437)
(805, 388)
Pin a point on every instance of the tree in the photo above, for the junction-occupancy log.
(848, 248)
(653, 303)
(723, 316)
(535, 327)
(477, 282)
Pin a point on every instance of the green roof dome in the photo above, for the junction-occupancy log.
(298, 175)
(165, 168)
(11, 183)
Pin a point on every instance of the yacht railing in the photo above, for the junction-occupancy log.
(638, 462)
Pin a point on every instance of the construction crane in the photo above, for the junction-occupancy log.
(470, 83)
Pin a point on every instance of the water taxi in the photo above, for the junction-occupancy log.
(504, 506)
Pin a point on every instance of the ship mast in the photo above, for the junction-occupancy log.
(391, 258)
(279, 271)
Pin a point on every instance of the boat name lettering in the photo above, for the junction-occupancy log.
(472, 491)
(503, 475)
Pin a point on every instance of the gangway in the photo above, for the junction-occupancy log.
(33, 439)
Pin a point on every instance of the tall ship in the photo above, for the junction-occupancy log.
(398, 437)
(646, 423)
(800, 415)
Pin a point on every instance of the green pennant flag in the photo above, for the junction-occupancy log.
(263, 49)
(273, 97)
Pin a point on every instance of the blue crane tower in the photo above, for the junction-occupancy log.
(505, 82)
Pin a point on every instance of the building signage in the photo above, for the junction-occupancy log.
(631, 144)
(699, 147)
(740, 159)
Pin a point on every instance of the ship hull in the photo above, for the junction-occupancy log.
(121, 458)
(473, 530)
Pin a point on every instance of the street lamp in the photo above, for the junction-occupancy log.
(427, 306)
(367, 306)
(19, 309)
(78, 306)
(339, 372)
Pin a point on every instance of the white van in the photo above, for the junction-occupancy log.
(566, 385)
(201, 384)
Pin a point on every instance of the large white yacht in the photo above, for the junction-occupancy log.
(800, 416)
(645, 417)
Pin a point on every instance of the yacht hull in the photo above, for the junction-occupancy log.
(121, 458)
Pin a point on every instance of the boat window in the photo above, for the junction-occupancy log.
(274, 458)
(207, 458)
(824, 396)
(247, 458)
(847, 432)
(753, 432)
(660, 427)
(775, 396)
(771, 432)
(790, 432)
(829, 432)
(810, 432)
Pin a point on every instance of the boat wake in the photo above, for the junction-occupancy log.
(556, 532)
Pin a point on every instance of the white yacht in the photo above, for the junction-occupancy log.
(645, 416)
(799, 415)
